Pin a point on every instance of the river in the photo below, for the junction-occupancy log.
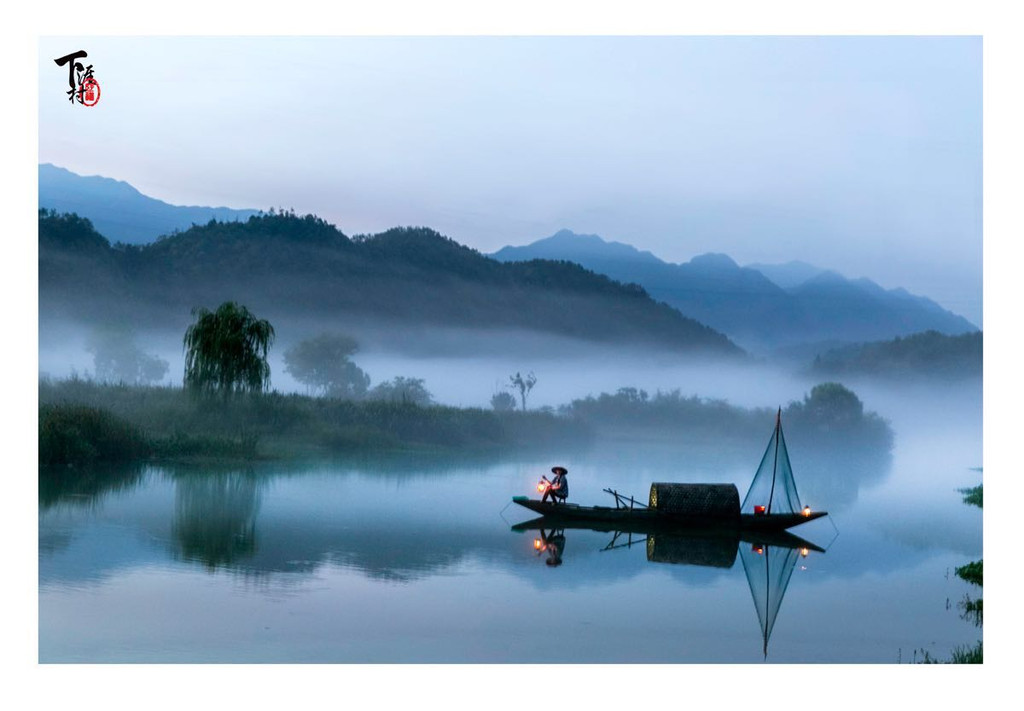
(413, 558)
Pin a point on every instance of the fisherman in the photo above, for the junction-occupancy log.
(558, 488)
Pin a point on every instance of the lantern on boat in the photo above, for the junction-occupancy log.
(543, 485)
(807, 510)
(804, 552)
(759, 510)
(757, 549)
(537, 543)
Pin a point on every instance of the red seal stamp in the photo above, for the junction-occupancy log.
(89, 92)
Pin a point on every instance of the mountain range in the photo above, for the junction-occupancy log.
(120, 212)
(793, 307)
(293, 270)
(761, 307)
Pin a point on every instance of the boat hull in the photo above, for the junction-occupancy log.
(625, 519)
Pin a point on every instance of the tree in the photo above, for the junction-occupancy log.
(323, 365)
(117, 358)
(226, 351)
(409, 391)
(523, 385)
(503, 402)
(832, 403)
(832, 407)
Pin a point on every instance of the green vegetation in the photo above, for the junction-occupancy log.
(972, 609)
(118, 359)
(959, 655)
(972, 572)
(930, 354)
(226, 351)
(503, 402)
(402, 390)
(166, 423)
(72, 434)
(829, 412)
(968, 655)
(630, 410)
(322, 364)
(973, 496)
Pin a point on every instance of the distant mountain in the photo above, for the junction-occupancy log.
(748, 306)
(120, 212)
(788, 275)
(299, 269)
(926, 355)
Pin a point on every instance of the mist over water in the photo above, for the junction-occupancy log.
(287, 562)
(467, 372)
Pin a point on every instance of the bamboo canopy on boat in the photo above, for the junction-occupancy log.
(719, 501)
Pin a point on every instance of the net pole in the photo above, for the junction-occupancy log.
(775, 463)
(767, 597)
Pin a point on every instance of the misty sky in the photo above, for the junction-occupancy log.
(854, 153)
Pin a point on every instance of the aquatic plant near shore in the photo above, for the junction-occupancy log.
(73, 434)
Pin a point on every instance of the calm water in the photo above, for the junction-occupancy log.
(414, 560)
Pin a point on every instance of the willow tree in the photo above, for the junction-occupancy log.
(226, 351)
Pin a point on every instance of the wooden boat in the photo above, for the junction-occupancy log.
(771, 504)
(623, 518)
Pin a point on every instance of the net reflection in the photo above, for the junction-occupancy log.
(768, 558)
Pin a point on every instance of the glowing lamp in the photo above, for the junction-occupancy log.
(759, 510)
(537, 544)
(804, 552)
(807, 510)
(757, 549)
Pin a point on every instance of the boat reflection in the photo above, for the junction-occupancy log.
(768, 558)
(552, 543)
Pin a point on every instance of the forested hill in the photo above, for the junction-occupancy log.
(282, 265)
(926, 355)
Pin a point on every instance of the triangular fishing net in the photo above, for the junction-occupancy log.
(768, 570)
(773, 486)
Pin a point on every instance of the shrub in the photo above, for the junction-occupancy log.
(72, 435)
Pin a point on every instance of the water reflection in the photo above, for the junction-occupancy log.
(768, 559)
(834, 477)
(83, 486)
(552, 543)
(370, 559)
(215, 517)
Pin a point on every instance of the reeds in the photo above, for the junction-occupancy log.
(171, 423)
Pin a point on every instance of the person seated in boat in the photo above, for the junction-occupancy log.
(558, 488)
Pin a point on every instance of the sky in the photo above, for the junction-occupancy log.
(861, 154)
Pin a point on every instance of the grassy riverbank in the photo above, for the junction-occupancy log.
(82, 421)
